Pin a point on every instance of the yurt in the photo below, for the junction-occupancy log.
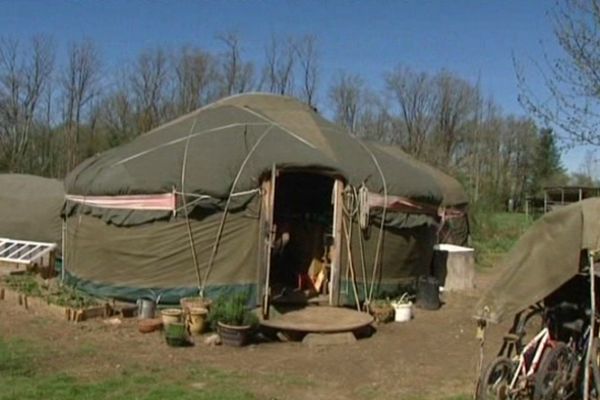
(255, 193)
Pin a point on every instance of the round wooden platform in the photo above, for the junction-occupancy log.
(319, 319)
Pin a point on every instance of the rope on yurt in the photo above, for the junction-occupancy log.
(275, 123)
(186, 210)
(226, 209)
(382, 225)
(353, 208)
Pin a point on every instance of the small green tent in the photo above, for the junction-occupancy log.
(189, 206)
(30, 208)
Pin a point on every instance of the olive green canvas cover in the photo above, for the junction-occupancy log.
(453, 192)
(455, 229)
(129, 254)
(203, 152)
(30, 208)
(545, 257)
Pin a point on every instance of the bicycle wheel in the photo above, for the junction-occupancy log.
(556, 378)
(495, 380)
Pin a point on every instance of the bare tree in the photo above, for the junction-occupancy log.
(80, 83)
(194, 71)
(415, 98)
(278, 74)
(346, 95)
(149, 79)
(236, 74)
(374, 122)
(24, 77)
(572, 80)
(308, 57)
(454, 107)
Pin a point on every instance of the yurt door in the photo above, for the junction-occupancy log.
(266, 238)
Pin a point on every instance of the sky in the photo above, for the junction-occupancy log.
(475, 39)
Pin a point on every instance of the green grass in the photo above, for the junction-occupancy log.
(495, 233)
(20, 379)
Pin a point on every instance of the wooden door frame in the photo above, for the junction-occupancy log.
(336, 248)
(266, 232)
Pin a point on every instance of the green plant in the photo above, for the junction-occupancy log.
(26, 284)
(404, 299)
(231, 310)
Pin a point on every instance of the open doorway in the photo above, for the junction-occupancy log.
(303, 218)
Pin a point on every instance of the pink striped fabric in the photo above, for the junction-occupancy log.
(164, 202)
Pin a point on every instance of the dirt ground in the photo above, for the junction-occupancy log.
(434, 356)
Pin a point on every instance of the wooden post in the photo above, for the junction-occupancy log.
(336, 251)
(270, 216)
(545, 201)
(591, 338)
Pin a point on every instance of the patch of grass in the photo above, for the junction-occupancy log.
(495, 233)
(368, 392)
(15, 359)
(20, 379)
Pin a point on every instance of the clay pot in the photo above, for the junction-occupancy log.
(171, 316)
(196, 320)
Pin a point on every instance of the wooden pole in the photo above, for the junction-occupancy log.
(590, 349)
(336, 251)
(271, 211)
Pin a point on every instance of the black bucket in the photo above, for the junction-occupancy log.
(428, 293)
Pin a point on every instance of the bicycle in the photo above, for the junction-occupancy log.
(512, 376)
(561, 374)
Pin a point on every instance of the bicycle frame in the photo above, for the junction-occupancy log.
(540, 342)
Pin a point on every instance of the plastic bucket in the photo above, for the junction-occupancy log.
(402, 312)
(428, 293)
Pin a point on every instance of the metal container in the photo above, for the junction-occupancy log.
(146, 308)
(428, 293)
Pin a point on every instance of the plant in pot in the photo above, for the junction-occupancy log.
(381, 310)
(402, 308)
(232, 320)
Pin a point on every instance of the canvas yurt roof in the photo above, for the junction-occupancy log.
(543, 259)
(452, 190)
(30, 208)
(228, 146)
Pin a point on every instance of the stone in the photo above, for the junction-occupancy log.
(327, 339)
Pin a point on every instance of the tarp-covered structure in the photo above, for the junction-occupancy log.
(30, 208)
(147, 218)
(547, 256)
(455, 200)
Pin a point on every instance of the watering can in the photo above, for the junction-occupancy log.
(146, 308)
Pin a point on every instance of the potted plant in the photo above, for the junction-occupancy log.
(381, 310)
(232, 320)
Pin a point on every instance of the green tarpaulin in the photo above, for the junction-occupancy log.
(30, 208)
(544, 258)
